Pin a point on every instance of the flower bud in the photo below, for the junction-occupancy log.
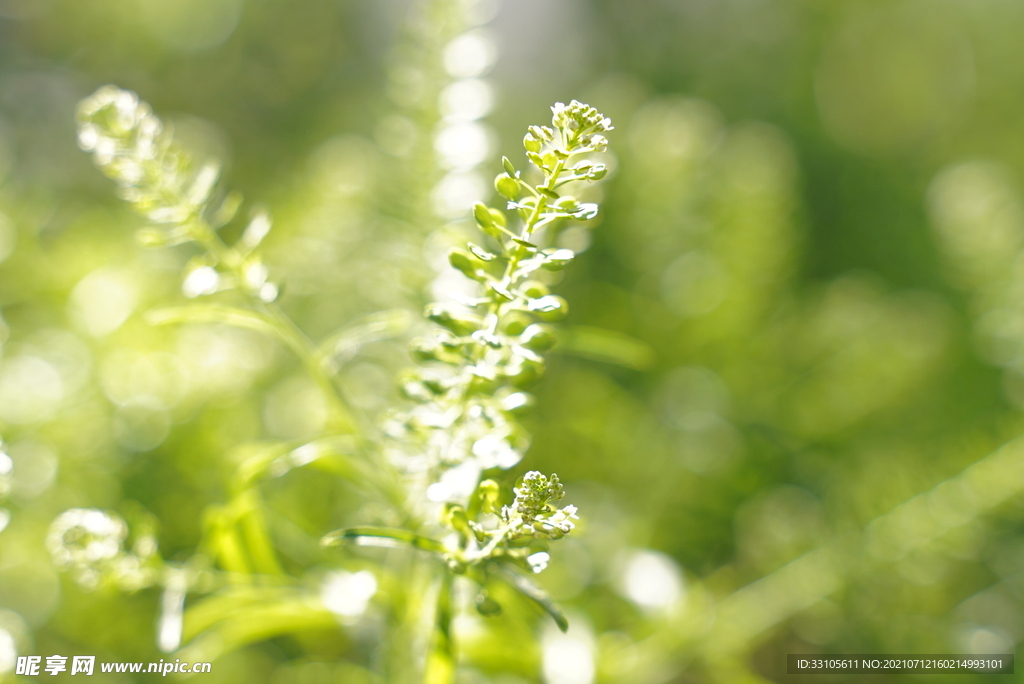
(525, 373)
(412, 388)
(483, 215)
(466, 263)
(152, 237)
(454, 516)
(534, 289)
(507, 186)
(444, 317)
(423, 350)
(541, 132)
(515, 322)
(487, 606)
(538, 338)
(485, 219)
(567, 204)
(489, 494)
(498, 218)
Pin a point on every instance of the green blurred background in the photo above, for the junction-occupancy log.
(787, 392)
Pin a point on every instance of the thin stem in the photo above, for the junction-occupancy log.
(440, 668)
(349, 420)
(382, 478)
(531, 223)
(494, 306)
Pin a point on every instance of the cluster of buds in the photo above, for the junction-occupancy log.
(135, 149)
(533, 513)
(576, 128)
(519, 532)
(488, 348)
(91, 545)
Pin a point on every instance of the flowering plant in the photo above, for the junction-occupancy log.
(436, 464)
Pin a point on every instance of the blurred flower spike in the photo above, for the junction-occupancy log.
(133, 148)
(162, 182)
(90, 544)
(467, 392)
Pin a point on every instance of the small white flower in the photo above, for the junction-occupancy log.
(201, 281)
(457, 484)
(495, 452)
(255, 275)
(268, 292)
(538, 561)
(348, 594)
(257, 229)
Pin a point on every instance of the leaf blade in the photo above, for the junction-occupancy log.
(528, 589)
(211, 313)
(388, 536)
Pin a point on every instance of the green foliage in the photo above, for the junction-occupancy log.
(464, 424)
(785, 397)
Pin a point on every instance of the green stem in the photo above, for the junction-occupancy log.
(531, 223)
(518, 251)
(440, 667)
(348, 420)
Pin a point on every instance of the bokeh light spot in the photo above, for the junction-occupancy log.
(102, 301)
(191, 25)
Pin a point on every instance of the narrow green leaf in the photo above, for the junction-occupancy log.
(382, 536)
(248, 507)
(525, 243)
(225, 603)
(258, 460)
(607, 346)
(211, 313)
(440, 668)
(253, 459)
(481, 253)
(344, 344)
(524, 586)
(259, 622)
(224, 543)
